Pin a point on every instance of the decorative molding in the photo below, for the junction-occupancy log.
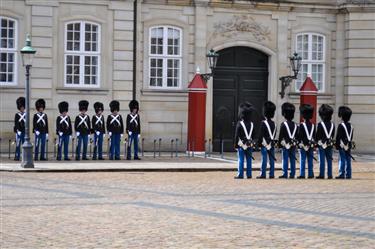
(240, 24)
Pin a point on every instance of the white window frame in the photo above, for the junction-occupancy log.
(165, 58)
(310, 61)
(13, 50)
(82, 53)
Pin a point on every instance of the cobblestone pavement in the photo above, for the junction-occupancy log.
(186, 210)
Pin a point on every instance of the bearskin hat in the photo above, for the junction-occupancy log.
(133, 105)
(40, 103)
(345, 113)
(114, 105)
(269, 109)
(245, 111)
(306, 111)
(287, 110)
(98, 106)
(83, 105)
(325, 112)
(63, 107)
(20, 102)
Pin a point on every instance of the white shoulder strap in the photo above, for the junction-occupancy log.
(291, 136)
(272, 135)
(247, 134)
(328, 135)
(349, 136)
(309, 135)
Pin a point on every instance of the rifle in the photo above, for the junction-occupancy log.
(245, 146)
(268, 148)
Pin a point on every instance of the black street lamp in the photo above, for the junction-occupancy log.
(27, 54)
(212, 57)
(295, 63)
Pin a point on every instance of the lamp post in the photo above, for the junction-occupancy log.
(27, 54)
(295, 63)
(212, 57)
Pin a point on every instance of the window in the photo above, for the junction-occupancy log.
(165, 57)
(8, 51)
(82, 54)
(311, 47)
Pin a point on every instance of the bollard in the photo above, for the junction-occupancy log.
(176, 147)
(188, 150)
(0, 147)
(209, 147)
(172, 148)
(143, 145)
(125, 148)
(10, 141)
(54, 148)
(192, 153)
(47, 149)
(159, 147)
(73, 147)
(108, 146)
(222, 148)
(154, 148)
(205, 151)
(90, 150)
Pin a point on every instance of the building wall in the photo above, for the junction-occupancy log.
(269, 26)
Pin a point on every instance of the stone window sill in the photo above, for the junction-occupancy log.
(94, 91)
(164, 92)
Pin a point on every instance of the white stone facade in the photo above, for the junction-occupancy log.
(348, 28)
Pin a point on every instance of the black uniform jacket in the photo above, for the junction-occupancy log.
(40, 126)
(134, 126)
(83, 128)
(115, 126)
(240, 133)
(321, 135)
(284, 133)
(302, 135)
(98, 124)
(263, 132)
(341, 135)
(62, 126)
(19, 125)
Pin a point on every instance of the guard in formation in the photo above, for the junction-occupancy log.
(82, 127)
(305, 136)
(98, 128)
(40, 129)
(115, 127)
(63, 130)
(133, 129)
(19, 126)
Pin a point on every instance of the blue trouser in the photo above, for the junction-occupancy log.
(98, 145)
(325, 154)
(309, 155)
(133, 138)
(264, 162)
(40, 141)
(20, 139)
(289, 154)
(82, 139)
(115, 145)
(63, 141)
(241, 157)
(345, 164)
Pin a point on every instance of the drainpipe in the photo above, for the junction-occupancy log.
(135, 11)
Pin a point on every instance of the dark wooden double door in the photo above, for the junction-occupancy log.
(241, 75)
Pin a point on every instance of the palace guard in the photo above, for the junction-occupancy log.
(324, 136)
(98, 128)
(306, 142)
(133, 129)
(82, 127)
(115, 127)
(287, 140)
(19, 126)
(63, 130)
(244, 140)
(40, 129)
(344, 143)
(267, 138)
